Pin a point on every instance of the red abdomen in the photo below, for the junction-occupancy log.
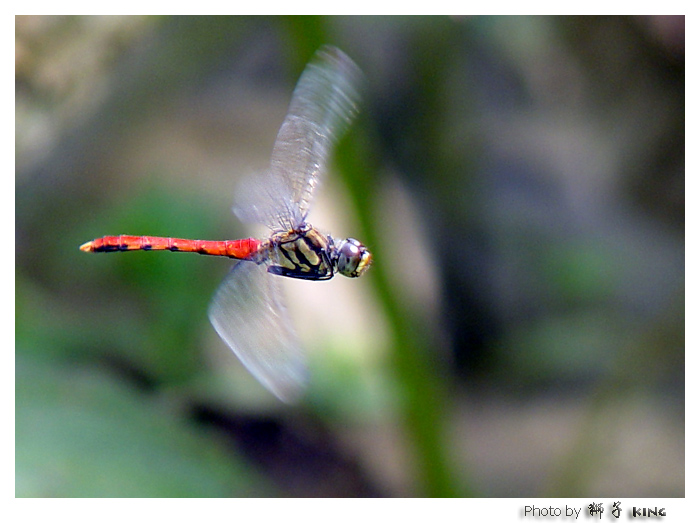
(238, 249)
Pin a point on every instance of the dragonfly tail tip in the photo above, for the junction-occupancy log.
(87, 247)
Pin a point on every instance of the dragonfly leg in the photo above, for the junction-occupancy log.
(299, 274)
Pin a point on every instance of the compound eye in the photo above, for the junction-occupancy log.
(353, 258)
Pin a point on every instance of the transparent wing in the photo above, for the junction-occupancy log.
(324, 103)
(248, 313)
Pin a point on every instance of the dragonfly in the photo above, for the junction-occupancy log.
(248, 310)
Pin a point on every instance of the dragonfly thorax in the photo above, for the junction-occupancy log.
(307, 254)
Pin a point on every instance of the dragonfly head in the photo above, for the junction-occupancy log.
(352, 258)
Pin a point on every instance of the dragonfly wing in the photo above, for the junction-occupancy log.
(248, 313)
(324, 103)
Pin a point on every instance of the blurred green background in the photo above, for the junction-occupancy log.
(520, 181)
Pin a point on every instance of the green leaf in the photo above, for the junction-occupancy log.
(82, 433)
